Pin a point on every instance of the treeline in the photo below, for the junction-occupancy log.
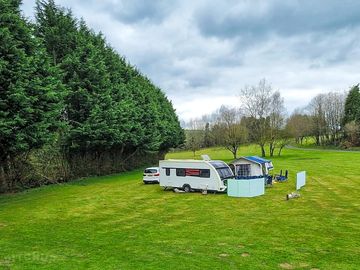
(330, 119)
(70, 105)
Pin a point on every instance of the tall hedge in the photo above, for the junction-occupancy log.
(30, 92)
(63, 86)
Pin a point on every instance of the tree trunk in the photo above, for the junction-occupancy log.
(280, 149)
(263, 153)
(2, 179)
(272, 149)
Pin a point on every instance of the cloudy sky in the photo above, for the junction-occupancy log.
(202, 52)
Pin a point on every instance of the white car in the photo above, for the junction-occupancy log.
(151, 175)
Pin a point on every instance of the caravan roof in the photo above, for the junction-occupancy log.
(257, 159)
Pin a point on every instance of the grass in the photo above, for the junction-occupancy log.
(309, 143)
(116, 222)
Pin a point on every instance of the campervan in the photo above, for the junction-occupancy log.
(194, 174)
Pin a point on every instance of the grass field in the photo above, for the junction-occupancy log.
(309, 142)
(116, 222)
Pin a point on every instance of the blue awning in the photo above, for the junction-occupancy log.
(257, 159)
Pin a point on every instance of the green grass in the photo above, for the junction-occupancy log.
(309, 143)
(116, 222)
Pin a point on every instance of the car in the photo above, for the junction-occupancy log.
(151, 175)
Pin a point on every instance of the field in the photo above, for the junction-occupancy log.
(116, 222)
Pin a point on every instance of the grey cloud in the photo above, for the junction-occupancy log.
(285, 18)
(135, 11)
(201, 53)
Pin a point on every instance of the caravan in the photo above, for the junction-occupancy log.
(194, 174)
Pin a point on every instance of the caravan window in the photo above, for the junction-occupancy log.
(222, 169)
(167, 171)
(180, 172)
(244, 170)
(225, 172)
(205, 173)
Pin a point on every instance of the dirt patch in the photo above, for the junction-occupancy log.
(224, 255)
(5, 263)
(241, 246)
(286, 266)
(245, 254)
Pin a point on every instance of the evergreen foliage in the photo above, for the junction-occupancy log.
(30, 90)
(352, 105)
(109, 103)
(62, 84)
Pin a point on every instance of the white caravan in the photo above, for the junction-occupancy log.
(194, 174)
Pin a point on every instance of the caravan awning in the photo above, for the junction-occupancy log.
(260, 160)
(257, 159)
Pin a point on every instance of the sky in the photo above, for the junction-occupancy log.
(201, 53)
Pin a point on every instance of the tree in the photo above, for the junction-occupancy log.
(110, 108)
(276, 120)
(299, 125)
(207, 135)
(352, 131)
(317, 112)
(194, 136)
(327, 112)
(57, 27)
(257, 104)
(351, 119)
(334, 114)
(30, 90)
(352, 105)
(232, 132)
(283, 140)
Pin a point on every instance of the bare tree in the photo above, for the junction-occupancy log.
(283, 140)
(231, 132)
(276, 120)
(327, 111)
(299, 125)
(256, 101)
(334, 113)
(317, 112)
(194, 136)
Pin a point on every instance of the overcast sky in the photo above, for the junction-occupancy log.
(202, 52)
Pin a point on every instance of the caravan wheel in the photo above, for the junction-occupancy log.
(186, 188)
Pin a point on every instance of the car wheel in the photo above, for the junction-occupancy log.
(186, 188)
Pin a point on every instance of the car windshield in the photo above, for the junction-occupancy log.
(150, 171)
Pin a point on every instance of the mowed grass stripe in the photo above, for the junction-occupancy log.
(116, 222)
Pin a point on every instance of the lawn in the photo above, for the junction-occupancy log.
(116, 222)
